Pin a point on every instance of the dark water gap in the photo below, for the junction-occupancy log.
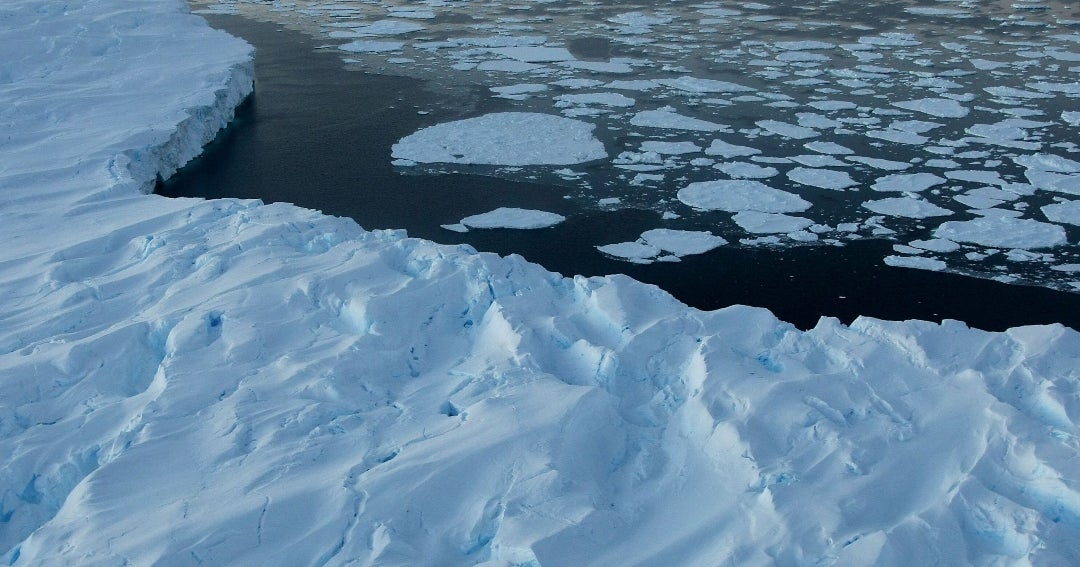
(319, 135)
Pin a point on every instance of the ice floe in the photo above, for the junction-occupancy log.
(740, 195)
(509, 217)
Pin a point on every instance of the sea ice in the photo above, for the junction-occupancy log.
(507, 217)
(496, 139)
(682, 242)
(1003, 232)
(788, 130)
(1065, 212)
(740, 195)
(667, 118)
(769, 223)
(917, 262)
(909, 207)
(907, 182)
(940, 107)
(822, 178)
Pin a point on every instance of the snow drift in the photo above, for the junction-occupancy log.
(226, 382)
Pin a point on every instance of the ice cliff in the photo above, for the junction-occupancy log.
(224, 382)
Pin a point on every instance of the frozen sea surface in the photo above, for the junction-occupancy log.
(897, 87)
(190, 381)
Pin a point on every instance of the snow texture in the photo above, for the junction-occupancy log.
(224, 382)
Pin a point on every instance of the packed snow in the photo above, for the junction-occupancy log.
(191, 381)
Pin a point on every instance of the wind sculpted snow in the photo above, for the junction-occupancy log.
(225, 382)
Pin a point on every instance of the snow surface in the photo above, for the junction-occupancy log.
(189, 381)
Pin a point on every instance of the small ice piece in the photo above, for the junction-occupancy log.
(936, 245)
(788, 130)
(631, 84)
(744, 170)
(728, 151)
(670, 148)
(577, 83)
(1066, 212)
(507, 66)
(518, 91)
(699, 86)
(939, 107)
(456, 227)
(807, 45)
(908, 207)
(898, 137)
(878, 163)
(508, 217)
(637, 252)
(817, 160)
(610, 67)
(608, 201)
(535, 53)
(1048, 162)
(602, 99)
(984, 177)
(917, 262)
(1003, 232)
(832, 105)
(682, 242)
(667, 118)
(829, 148)
(907, 182)
(822, 178)
(1071, 117)
(496, 139)
(387, 27)
(740, 195)
(365, 46)
(769, 223)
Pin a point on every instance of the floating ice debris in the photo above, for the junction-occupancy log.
(1066, 212)
(670, 148)
(601, 99)
(519, 91)
(667, 118)
(940, 107)
(535, 53)
(936, 245)
(817, 160)
(917, 262)
(830, 148)
(387, 27)
(769, 223)
(832, 105)
(879, 163)
(743, 170)
(507, 217)
(496, 139)
(1003, 232)
(682, 242)
(631, 251)
(907, 182)
(788, 130)
(909, 207)
(507, 66)
(806, 45)
(727, 150)
(740, 195)
(976, 176)
(372, 46)
(822, 178)
(696, 85)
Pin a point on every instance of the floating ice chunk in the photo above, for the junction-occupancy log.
(667, 118)
(638, 252)
(366, 46)
(696, 85)
(907, 182)
(908, 207)
(493, 41)
(602, 99)
(987, 65)
(743, 170)
(1048, 162)
(788, 130)
(577, 83)
(817, 160)
(1066, 212)
(878, 163)
(932, 11)
(936, 245)
(976, 176)
(535, 53)
(917, 262)
(830, 148)
(682, 242)
(609, 67)
(832, 105)
(387, 27)
(1013, 92)
(727, 151)
(769, 223)
(1003, 232)
(670, 148)
(808, 45)
(411, 13)
(519, 91)
(890, 39)
(632, 84)
(456, 227)
(1071, 117)
(507, 66)
(898, 137)
(1066, 88)
(939, 107)
(740, 195)
(506, 217)
(496, 139)
(821, 178)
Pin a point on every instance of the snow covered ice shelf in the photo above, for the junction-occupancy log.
(226, 382)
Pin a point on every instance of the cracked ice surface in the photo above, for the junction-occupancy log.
(190, 381)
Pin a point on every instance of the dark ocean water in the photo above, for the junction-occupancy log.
(319, 135)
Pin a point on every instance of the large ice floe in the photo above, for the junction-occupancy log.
(223, 382)
(896, 96)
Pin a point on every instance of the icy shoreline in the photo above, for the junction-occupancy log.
(190, 381)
